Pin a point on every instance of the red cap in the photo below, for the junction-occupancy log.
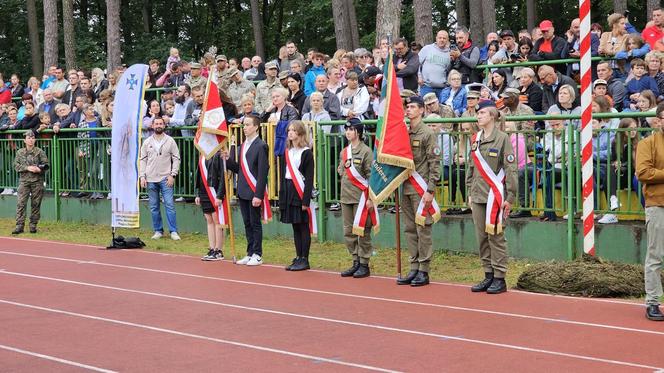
(545, 25)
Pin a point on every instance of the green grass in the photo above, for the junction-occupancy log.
(445, 266)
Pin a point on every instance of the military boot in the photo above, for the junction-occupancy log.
(408, 279)
(17, 230)
(350, 271)
(362, 271)
(497, 286)
(421, 279)
(484, 284)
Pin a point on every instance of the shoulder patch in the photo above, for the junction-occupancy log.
(348, 163)
(509, 158)
(416, 143)
(436, 150)
(474, 146)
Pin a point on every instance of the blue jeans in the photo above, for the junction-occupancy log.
(167, 192)
(426, 89)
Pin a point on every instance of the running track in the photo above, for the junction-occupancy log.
(67, 307)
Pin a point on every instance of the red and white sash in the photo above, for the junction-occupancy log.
(494, 216)
(220, 213)
(266, 214)
(298, 182)
(417, 181)
(360, 220)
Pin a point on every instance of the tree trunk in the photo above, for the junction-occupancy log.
(68, 32)
(488, 18)
(388, 19)
(113, 34)
(461, 9)
(257, 22)
(423, 21)
(279, 25)
(84, 10)
(50, 33)
(475, 8)
(33, 34)
(352, 22)
(342, 25)
(651, 5)
(147, 16)
(531, 14)
(619, 6)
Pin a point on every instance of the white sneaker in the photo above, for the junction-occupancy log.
(179, 199)
(244, 260)
(175, 236)
(614, 204)
(157, 235)
(255, 260)
(608, 219)
(108, 196)
(7, 192)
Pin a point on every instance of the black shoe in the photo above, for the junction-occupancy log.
(82, 195)
(290, 266)
(33, 230)
(484, 284)
(453, 211)
(521, 214)
(362, 272)
(408, 279)
(301, 265)
(497, 286)
(17, 230)
(653, 313)
(350, 271)
(421, 279)
(465, 211)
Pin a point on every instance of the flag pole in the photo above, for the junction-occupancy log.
(231, 233)
(398, 232)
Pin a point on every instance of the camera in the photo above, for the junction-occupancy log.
(515, 57)
(454, 47)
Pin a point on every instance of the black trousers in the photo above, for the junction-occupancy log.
(253, 229)
(302, 239)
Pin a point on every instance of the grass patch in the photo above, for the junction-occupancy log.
(445, 266)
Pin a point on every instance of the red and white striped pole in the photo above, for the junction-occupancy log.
(586, 132)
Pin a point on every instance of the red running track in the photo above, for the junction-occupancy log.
(67, 307)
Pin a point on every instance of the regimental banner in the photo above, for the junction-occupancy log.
(212, 127)
(125, 146)
(393, 157)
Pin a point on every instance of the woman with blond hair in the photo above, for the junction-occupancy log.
(614, 41)
(98, 81)
(297, 181)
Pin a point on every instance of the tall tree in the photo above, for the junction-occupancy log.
(461, 8)
(257, 23)
(531, 14)
(476, 25)
(50, 33)
(423, 21)
(113, 34)
(488, 19)
(342, 27)
(352, 22)
(619, 6)
(146, 11)
(68, 32)
(388, 19)
(33, 34)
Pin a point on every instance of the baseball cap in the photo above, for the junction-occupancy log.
(221, 57)
(545, 25)
(510, 92)
(282, 75)
(270, 65)
(505, 33)
(430, 98)
(600, 82)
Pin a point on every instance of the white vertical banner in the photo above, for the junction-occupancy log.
(125, 146)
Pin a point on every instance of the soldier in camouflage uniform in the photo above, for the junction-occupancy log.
(264, 89)
(30, 163)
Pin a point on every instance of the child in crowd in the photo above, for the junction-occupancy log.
(646, 102)
(640, 83)
(600, 89)
(174, 56)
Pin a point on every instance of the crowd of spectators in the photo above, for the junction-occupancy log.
(346, 84)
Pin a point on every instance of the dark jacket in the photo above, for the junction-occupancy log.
(616, 89)
(69, 97)
(287, 193)
(534, 93)
(215, 179)
(51, 109)
(409, 73)
(297, 101)
(550, 97)
(257, 163)
(288, 113)
(29, 123)
(331, 104)
(559, 51)
(465, 64)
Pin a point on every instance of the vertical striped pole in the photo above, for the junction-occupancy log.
(586, 132)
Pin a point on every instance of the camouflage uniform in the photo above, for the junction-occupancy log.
(237, 90)
(30, 184)
(264, 95)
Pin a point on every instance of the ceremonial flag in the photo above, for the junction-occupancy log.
(393, 157)
(125, 145)
(212, 127)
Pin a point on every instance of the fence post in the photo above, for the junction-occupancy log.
(571, 191)
(321, 170)
(56, 171)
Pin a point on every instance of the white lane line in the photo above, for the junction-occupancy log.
(335, 321)
(56, 359)
(355, 296)
(440, 283)
(196, 336)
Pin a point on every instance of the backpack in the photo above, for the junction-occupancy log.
(121, 242)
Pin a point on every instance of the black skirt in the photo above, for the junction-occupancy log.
(291, 213)
(206, 204)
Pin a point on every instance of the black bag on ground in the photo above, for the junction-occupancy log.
(121, 242)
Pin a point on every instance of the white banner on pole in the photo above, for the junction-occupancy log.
(125, 146)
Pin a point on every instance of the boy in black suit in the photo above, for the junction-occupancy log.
(252, 168)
